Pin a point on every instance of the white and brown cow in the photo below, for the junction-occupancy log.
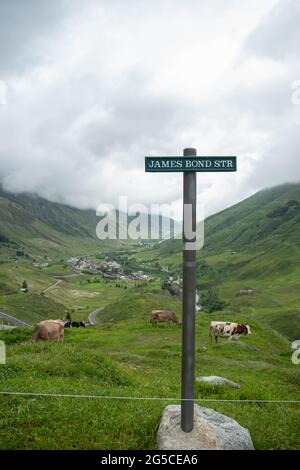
(228, 330)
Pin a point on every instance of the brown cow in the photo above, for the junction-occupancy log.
(163, 316)
(49, 330)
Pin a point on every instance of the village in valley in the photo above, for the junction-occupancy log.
(111, 270)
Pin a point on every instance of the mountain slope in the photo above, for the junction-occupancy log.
(264, 220)
(254, 244)
(30, 215)
(27, 219)
(270, 216)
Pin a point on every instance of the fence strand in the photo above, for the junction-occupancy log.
(110, 397)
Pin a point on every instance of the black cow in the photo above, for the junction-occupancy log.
(74, 324)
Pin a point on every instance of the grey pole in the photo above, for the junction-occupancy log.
(188, 301)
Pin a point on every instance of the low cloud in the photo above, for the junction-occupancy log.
(91, 88)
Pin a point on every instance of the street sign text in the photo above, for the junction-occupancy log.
(182, 164)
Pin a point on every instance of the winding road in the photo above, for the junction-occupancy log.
(13, 320)
(93, 315)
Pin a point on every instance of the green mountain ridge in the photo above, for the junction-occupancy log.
(273, 212)
(253, 244)
(42, 226)
(29, 214)
(264, 220)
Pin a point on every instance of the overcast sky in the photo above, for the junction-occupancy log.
(89, 87)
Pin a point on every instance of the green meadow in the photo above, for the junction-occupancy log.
(130, 358)
(254, 244)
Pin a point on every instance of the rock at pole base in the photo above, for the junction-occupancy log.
(212, 431)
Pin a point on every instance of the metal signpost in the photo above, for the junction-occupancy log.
(189, 164)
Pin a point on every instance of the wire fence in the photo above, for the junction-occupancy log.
(110, 397)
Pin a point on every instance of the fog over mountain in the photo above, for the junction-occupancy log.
(87, 89)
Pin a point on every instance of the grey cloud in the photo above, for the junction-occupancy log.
(25, 28)
(136, 119)
(280, 162)
(265, 103)
(269, 102)
(81, 136)
(278, 35)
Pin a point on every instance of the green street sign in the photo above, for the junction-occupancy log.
(189, 163)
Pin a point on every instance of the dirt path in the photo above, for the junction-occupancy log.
(52, 286)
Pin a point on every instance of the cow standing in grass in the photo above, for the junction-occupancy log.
(166, 316)
(48, 330)
(228, 330)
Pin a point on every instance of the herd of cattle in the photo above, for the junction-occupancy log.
(218, 329)
(54, 329)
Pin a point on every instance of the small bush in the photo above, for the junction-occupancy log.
(210, 301)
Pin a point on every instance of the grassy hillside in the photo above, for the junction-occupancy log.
(256, 244)
(40, 227)
(138, 303)
(64, 219)
(270, 217)
(53, 297)
(132, 358)
(265, 220)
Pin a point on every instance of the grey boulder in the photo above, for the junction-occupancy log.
(216, 380)
(212, 431)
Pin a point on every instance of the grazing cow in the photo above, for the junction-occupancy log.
(75, 324)
(49, 330)
(163, 316)
(228, 330)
